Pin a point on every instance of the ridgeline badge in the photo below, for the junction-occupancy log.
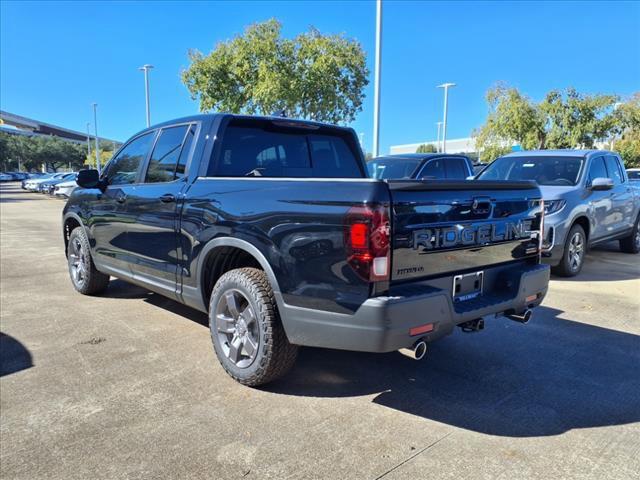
(457, 235)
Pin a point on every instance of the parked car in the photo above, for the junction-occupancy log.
(272, 227)
(5, 177)
(588, 200)
(633, 174)
(33, 184)
(31, 176)
(48, 185)
(434, 166)
(64, 189)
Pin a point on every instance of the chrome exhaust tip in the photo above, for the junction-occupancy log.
(523, 318)
(417, 352)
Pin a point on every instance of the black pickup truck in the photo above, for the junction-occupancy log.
(273, 227)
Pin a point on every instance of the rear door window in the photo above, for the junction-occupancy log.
(456, 169)
(166, 153)
(613, 169)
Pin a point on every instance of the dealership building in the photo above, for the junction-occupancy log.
(454, 145)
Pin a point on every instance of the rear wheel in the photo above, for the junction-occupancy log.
(85, 277)
(575, 248)
(631, 244)
(246, 331)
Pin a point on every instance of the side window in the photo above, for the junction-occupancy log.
(166, 153)
(597, 169)
(186, 148)
(613, 167)
(434, 169)
(456, 169)
(124, 168)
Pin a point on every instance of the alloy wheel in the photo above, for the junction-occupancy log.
(576, 251)
(77, 261)
(237, 328)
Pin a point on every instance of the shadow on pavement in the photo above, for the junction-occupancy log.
(14, 356)
(545, 378)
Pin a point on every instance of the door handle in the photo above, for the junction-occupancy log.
(167, 198)
(121, 198)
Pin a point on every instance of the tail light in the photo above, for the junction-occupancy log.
(367, 238)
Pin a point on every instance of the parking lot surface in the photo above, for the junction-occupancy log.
(126, 385)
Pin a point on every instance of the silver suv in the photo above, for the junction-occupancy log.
(588, 200)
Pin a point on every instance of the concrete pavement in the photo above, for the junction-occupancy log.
(126, 385)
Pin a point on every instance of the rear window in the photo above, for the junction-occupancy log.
(544, 170)
(270, 151)
(393, 167)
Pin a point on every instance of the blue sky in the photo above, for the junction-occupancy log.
(57, 57)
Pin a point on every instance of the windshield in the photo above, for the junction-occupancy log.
(393, 167)
(543, 170)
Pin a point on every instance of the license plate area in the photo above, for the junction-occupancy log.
(468, 286)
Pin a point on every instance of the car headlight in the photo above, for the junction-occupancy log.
(553, 206)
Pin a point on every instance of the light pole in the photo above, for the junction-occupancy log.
(145, 68)
(438, 140)
(95, 124)
(88, 141)
(376, 86)
(444, 119)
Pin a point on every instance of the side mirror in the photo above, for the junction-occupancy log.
(88, 179)
(601, 183)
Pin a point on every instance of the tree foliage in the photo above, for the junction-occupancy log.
(313, 76)
(426, 148)
(31, 152)
(628, 143)
(562, 120)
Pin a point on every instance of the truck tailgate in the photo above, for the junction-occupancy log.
(456, 226)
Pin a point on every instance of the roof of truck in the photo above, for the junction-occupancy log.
(209, 116)
(419, 156)
(555, 153)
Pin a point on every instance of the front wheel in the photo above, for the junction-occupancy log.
(85, 277)
(631, 244)
(246, 331)
(575, 248)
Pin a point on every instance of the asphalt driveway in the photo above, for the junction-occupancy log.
(126, 385)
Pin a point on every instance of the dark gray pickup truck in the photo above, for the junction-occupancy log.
(273, 227)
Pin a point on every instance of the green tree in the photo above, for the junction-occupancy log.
(628, 143)
(576, 120)
(313, 76)
(426, 148)
(513, 118)
(31, 152)
(561, 120)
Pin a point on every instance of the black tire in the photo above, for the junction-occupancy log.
(243, 318)
(631, 244)
(85, 278)
(572, 260)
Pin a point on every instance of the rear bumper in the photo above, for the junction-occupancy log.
(382, 324)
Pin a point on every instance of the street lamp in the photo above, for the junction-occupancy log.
(95, 124)
(376, 86)
(444, 119)
(88, 141)
(438, 140)
(145, 68)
